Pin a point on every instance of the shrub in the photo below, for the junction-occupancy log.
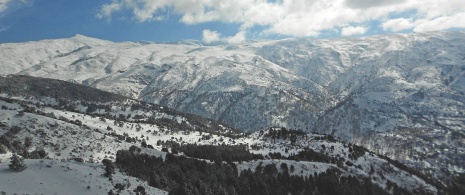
(140, 190)
(14, 130)
(119, 187)
(28, 142)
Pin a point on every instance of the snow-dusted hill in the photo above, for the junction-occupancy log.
(66, 140)
(401, 95)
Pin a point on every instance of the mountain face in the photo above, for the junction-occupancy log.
(401, 95)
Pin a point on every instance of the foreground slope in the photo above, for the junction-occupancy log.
(56, 177)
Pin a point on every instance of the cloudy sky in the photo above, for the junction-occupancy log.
(231, 21)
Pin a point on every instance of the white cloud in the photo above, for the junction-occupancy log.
(353, 30)
(210, 36)
(106, 10)
(398, 24)
(295, 17)
(430, 9)
(422, 25)
(238, 38)
(441, 23)
(5, 5)
(363, 4)
(8, 6)
(142, 10)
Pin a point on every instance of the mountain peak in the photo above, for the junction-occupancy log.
(80, 36)
(89, 40)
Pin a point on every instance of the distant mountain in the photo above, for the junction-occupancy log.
(401, 95)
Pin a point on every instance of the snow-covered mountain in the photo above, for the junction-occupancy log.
(65, 134)
(401, 95)
(233, 84)
(288, 83)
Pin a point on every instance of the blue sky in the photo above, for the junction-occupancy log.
(222, 20)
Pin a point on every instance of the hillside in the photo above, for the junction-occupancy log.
(66, 141)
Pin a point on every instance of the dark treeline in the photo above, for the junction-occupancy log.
(183, 175)
(240, 153)
(219, 153)
(293, 135)
(284, 134)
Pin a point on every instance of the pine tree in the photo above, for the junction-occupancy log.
(17, 163)
(109, 168)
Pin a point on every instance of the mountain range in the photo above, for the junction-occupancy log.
(399, 95)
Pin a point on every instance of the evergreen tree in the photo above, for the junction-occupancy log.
(17, 163)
